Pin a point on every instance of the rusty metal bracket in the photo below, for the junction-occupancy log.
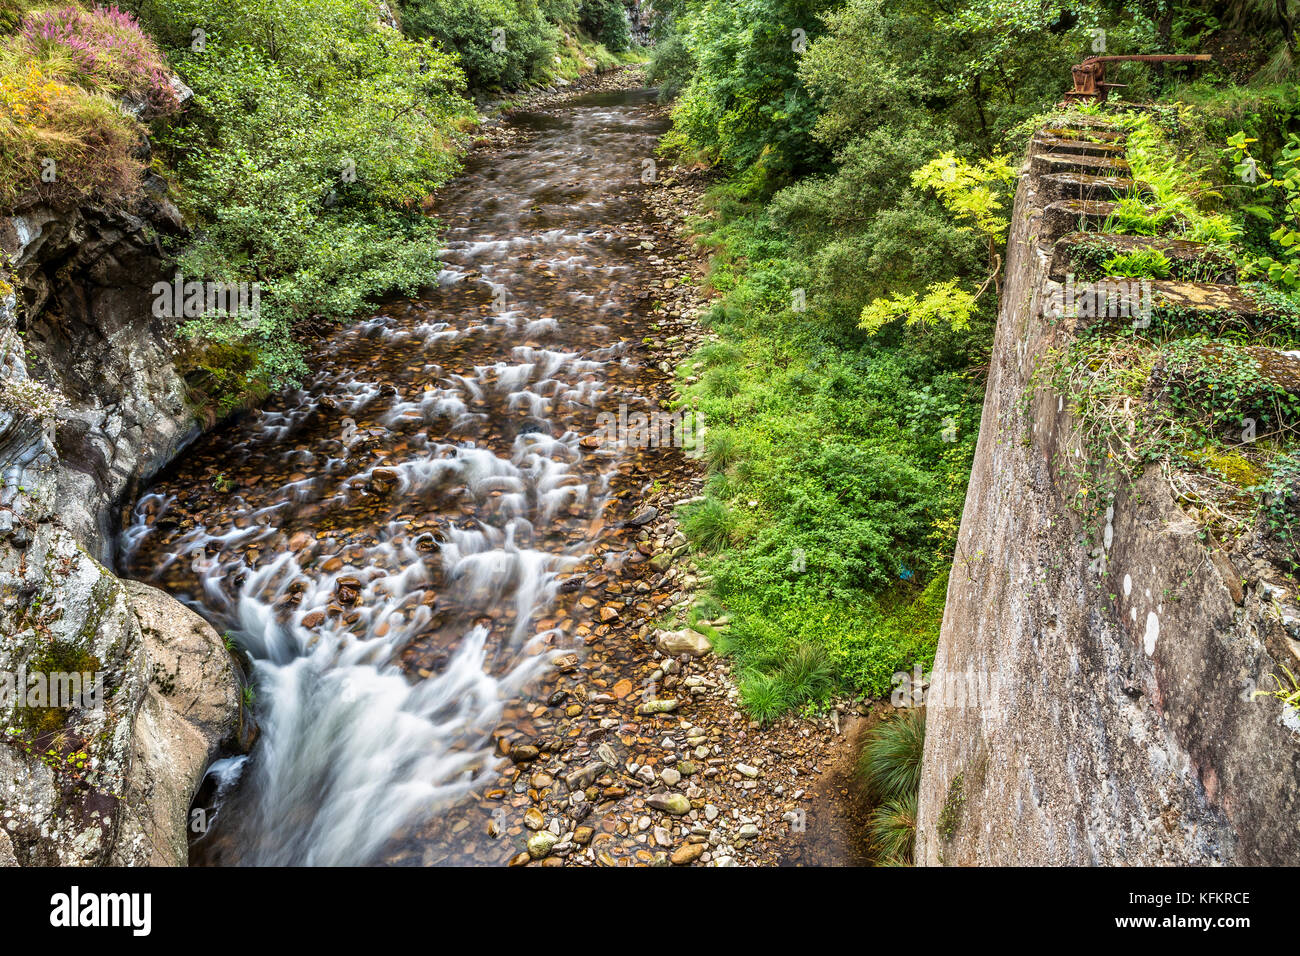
(1090, 76)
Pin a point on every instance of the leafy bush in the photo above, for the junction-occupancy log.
(671, 64)
(313, 136)
(744, 100)
(502, 44)
(606, 22)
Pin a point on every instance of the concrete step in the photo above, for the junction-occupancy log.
(1046, 163)
(1057, 186)
(1281, 369)
(1085, 215)
(1073, 215)
(1167, 307)
(1082, 254)
(1077, 146)
(1098, 134)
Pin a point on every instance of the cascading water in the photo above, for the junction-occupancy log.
(387, 541)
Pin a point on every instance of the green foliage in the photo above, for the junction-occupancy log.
(1169, 196)
(1288, 694)
(313, 135)
(978, 68)
(972, 194)
(671, 64)
(1218, 388)
(1280, 507)
(1283, 268)
(606, 22)
(502, 44)
(842, 496)
(805, 677)
(890, 763)
(942, 302)
(1140, 264)
(744, 101)
(708, 524)
(892, 829)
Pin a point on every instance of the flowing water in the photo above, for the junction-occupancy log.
(389, 542)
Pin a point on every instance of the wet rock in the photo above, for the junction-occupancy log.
(541, 843)
(688, 853)
(643, 517)
(523, 753)
(674, 803)
(658, 706)
(583, 777)
(684, 641)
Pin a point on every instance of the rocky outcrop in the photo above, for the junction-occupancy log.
(90, 406)
(1096, 677)
(85, 278)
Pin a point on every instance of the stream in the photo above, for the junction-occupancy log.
(390, 542)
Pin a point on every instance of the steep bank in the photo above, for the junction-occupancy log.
(92, 403)
(1097, 670)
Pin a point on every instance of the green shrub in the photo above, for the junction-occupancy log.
(313, 135)
(606, 22)
(502, 44)
(744, 99)
(890, 764)
(670, 66)
(892, 828)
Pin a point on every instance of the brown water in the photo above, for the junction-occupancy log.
(388, 543)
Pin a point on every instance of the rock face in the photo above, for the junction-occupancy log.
(1090, 718)
(90, 405)
(85, 278)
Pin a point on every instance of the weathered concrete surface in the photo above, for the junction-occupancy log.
(90, 403)
(1115, 722)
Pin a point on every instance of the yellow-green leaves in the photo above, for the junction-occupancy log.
(944, 302)
(970, 191)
